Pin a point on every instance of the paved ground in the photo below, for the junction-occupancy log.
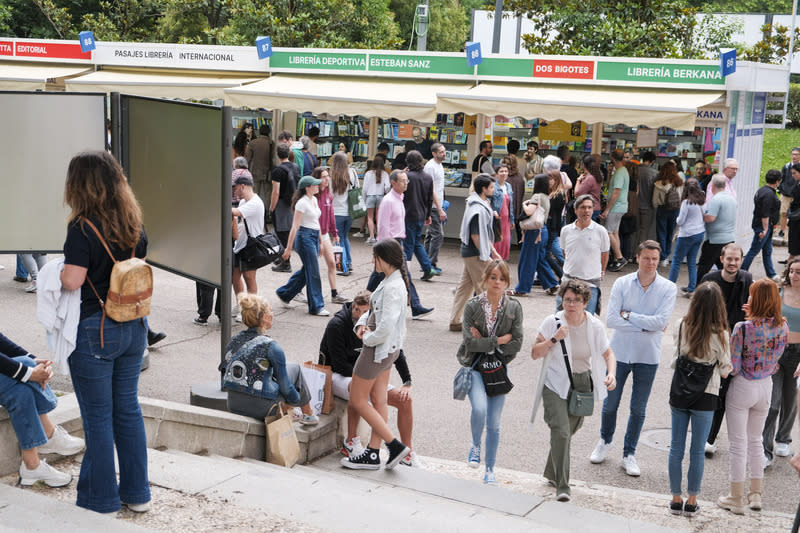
(190, 355)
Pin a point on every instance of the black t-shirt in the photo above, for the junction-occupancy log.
(469, 249)
(735, 313)
(765, 205)
(284, 175)
(557, 204)
(82, 248)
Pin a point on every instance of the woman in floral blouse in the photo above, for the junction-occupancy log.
(756, 345)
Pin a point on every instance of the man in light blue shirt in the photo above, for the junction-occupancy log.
(639, 309)
(719, 215)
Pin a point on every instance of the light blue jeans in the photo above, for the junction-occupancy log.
(686, 247)
(25, 402)
(486, 411)
(701, 425)
(643, 376)
(343, 224)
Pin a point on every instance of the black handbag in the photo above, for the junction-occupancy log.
(689, 381)
(793, 214)
(579, 403)
(495, 375)
(262, 250)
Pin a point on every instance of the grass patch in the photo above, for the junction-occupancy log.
(777, 149)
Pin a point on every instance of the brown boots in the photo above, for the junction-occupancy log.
(734, 502)
(754, 496)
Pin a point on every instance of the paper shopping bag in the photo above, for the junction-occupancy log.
(327, 400)
(282, 446)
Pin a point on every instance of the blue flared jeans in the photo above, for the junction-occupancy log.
(306, 244)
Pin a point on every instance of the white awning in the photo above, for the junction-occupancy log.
(675, 109)
(159, 85)
(34, 77)
(407, 99)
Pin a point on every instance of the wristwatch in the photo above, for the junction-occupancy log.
(626, 315)
(553, 340)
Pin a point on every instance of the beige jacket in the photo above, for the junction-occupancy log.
(719, 351)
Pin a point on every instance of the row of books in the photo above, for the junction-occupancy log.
(447, 135)
(330, 128)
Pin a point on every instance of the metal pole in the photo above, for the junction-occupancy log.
(422, 31)
(225, 224)
(789, 63)
(498, 23)
(519, 34)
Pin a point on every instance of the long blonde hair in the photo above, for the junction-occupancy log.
(97, 188)
(339, 172)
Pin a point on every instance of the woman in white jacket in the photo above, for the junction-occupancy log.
(383, 331)
(592, 363)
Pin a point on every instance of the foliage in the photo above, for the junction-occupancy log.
(773, 47)
(629, 28)
(743, 6)
(6, 14)
(776, 149)
(313, 23)
(793, 108)
(448, 28)
(123, 20)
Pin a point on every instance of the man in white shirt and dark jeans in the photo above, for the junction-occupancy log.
(435, 235)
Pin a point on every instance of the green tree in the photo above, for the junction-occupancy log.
(448, 29)
(123, 20)
(629, 28)
(194, 21)
(773, 47)
(313, 23)
(743, 6)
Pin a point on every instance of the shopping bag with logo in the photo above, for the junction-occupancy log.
(338, 254)
(315, 381)
(327, 401)
(282, 446)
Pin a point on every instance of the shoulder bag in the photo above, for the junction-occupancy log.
(494, 371)
(463, 380)
(689, 381)
(579, 403)
(262, 250)
(356, 204)
(534, 221)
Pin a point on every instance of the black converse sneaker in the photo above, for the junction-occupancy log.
(369, 459)
(397, 451)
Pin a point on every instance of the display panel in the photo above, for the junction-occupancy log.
(172, 152)
(41, 132)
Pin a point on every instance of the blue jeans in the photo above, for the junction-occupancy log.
(21, 272)
(106, 382)
(701, 424)
(532, 260)
(591, 305)
(486, 411)
(643, 375)
(413, 245)
(306, 244)
(343, 224)
(554, 255)
(25, 402)
(665, 229)
(760, 245)
(686, 247)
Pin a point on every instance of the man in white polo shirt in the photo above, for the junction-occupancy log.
(585, 244)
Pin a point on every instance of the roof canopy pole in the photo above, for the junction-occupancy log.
(372, 146)
(498, 23)
(597, 138)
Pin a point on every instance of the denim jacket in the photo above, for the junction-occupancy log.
(497, 200)
(256, 365)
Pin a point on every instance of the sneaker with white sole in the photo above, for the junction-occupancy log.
(45, 473)
(352, 447)
(358, 235)
(489, 478)
(309, 420)
(411, 460)
(563, 497)
(782, 449)
(138, 507)
(369, 459)
(300, 298)
(600, 452)
(631, 466)
(397, 452)
(322, 312)
(62, 443)
(711, 449)
(339, 299)
(474, 457)
(31, 287)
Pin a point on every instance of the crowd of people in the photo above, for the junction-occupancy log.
(742, 335)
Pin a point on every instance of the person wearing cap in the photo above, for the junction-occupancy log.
(250, 216)
(304, 237)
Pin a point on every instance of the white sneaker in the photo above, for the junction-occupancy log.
(782, 449)
(44, 472)
(711, 449)
(138, 507)
(31, 287)
(630, 466)
(322, 312)
(600, 452)
(235, 310)
(62, 443)
(411, 460)
(665, 263)
(358, 234)
(238, 318)
(352, 447)
(300, 298)
(767, 462)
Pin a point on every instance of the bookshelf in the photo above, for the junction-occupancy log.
(333, 130)
(256, 117)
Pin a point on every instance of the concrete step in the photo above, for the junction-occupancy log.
(400, 500)
(29, 512)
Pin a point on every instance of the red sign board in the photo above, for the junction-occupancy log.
(6, 48)
(563, 68)
(51, 50)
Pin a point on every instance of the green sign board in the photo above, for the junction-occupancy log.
(664, 73)
(511, 67)
(422, 64)
(318, 60)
